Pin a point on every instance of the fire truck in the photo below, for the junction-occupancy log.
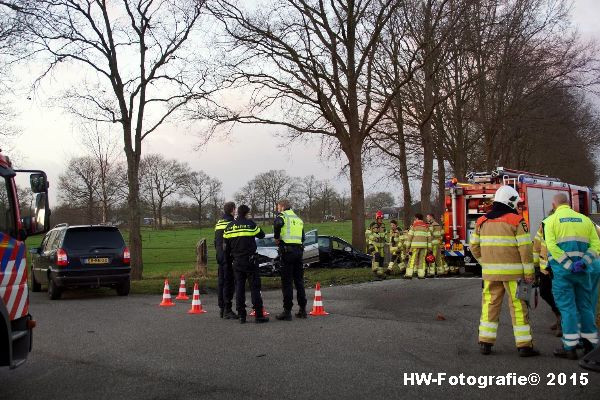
(466, 202)
(24, 212)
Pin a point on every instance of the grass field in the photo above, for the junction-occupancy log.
(171, 253)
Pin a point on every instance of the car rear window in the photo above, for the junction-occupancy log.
(88, 238)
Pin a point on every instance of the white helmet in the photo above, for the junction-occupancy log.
(507, 195)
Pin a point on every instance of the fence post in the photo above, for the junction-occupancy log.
(202, 262)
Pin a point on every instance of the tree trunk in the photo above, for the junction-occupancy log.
(357, 196)
(159, 213)
(200, 215)
(133, 207)
(441, 170)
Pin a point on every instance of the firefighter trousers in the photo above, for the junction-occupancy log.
(491, 304)
(377, 263)
(440, 267)
(397, 263)
(576, 296)
(417, 262)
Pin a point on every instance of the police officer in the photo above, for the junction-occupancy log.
(574, 246)
(288, 231)
(226, 285)
(240, 246)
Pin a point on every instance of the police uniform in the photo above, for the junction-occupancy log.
(225, 284)
(437, 235)
(572, 241)
(240, 247)
(418, 244)
(289, 229)
(396, 239)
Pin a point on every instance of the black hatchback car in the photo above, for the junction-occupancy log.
(81, 256)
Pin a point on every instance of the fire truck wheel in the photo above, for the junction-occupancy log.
(54, 292)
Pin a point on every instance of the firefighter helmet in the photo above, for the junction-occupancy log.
(379, 214)
(507, 195)
(430, 259)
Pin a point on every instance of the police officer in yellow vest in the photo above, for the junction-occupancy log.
(289, 236)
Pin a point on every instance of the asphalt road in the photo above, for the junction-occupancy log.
(98, 345)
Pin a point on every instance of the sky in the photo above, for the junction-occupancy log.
(49, 137)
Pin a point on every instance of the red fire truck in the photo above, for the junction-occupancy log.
(466, 202)
(23, 212)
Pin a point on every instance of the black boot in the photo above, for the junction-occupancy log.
(229, 314)
(568, 354)
(221, 312)
(301, 313)
(587, 346)
(528, 352)
(261, 318)
(485, 348)
(242, 316)
(286, 315)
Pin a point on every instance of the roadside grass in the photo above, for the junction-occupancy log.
(170, 253)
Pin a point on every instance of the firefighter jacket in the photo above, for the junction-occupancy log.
(239, 236)
(289, 228)
(219, 228)
(396, 241)
(377, 242)
(437, 233)
(570, 237)
(502, 246)
(540, 251)
(419, 236)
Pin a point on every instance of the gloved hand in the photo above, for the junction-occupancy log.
(578, 267)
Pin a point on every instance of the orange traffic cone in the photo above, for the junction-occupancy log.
(166, 300)
(196, 303)
(182, 295)
(318, 303)
(253, 313)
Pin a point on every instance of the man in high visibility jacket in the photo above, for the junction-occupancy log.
(396, 239)
(376, 248)
(502, 245)
(225, 283)
(289, 236)
(437, 237)
(240, 246)
(540, 262)
(418, 245)
(573, 245)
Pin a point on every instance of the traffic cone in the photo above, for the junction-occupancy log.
(166, 300)
(196, 303)
(182, 295)
(318, 303)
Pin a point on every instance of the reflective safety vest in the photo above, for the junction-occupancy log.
(540, 251)
(437, 233)
(503, 248)
(291, 232)
(396, 241)
(570, 237)
(419, 236)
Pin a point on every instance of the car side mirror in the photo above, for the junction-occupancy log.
(348, 249)
(38, 182)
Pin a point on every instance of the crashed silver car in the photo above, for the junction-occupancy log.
(268, 253)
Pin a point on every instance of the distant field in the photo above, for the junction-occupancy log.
(170, 253)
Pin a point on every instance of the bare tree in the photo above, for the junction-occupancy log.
(310, 186)
(311, 65)
(197, 186)
(77, 186)
(141, 70)
(161, 179)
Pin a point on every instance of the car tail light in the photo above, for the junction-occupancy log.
(61, 258)
(126, 256)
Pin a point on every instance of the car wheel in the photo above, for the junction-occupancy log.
(35, 285)
(123, 288)
(54, 292)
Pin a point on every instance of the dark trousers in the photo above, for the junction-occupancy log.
(225, 284)
(292, 274)
(546, 292)
(245, 271)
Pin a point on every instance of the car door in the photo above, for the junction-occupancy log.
(46, 256)
(324, 250)
(36, 261)
(342, 254)
(311, 247)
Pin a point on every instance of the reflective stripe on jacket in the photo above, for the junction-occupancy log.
(437, 233)
(419, 236)
(293, 226)
(503, 248)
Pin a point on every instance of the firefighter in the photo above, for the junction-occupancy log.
(437, 238)
(225, 285)
(502, 245)
(376, 248)
(240, 247)
(396, 239)
(289, 236)
(544, 275)
(379, 221)
(573, 245)
(418, 246)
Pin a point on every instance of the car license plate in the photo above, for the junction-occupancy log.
(457, 247)
(100, 260)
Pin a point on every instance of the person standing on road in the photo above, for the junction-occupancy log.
(288, 231)
(240, 247)
(574, 245)
(502, 245)
(437, 238)
(376, 249)
(418, 245)
(225, 283)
